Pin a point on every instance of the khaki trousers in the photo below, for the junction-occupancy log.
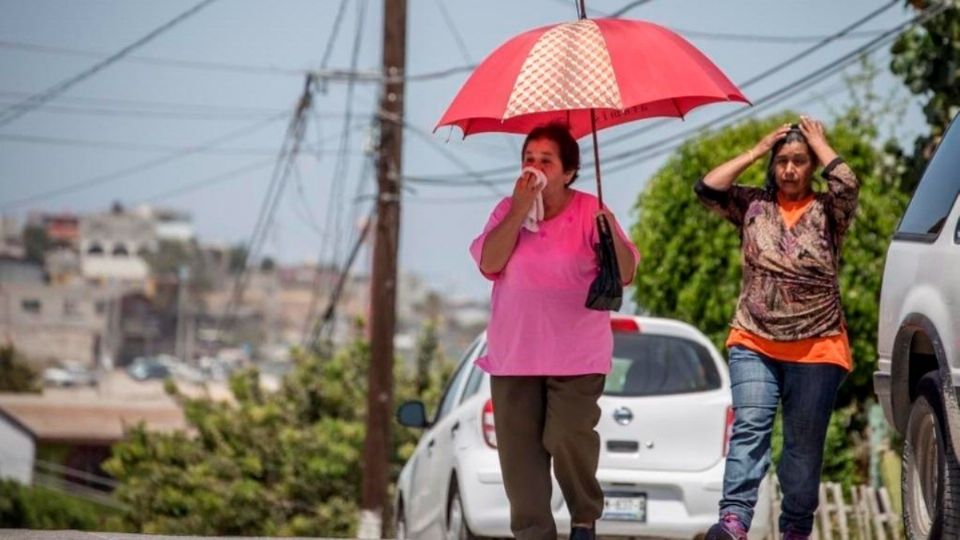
(539, 418)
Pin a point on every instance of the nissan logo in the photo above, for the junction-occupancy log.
(623, 416)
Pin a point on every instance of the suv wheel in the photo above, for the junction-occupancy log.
(931, 474)
(457, 528)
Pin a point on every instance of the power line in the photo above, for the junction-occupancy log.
(328, 50)
(271, 199)
(327, 318)
(426, 136)
(137, 147)
(211, 115)
(335, 198)
(452, 26)
(158, 106)
(210, 181)
(11, 113)
(763, 38)
(155, 60)
(136, 169)
(628, 7)
(323, 74)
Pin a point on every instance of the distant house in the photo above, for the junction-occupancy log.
(55, 323)
(18, 447)
(112, 246)
(79, 430)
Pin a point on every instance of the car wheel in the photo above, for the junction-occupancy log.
(931, 473)
(457, 528)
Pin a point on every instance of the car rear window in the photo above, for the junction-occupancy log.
(656, 365)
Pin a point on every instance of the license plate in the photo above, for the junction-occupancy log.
(625, 507)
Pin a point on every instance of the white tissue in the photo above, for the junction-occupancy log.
(535, 216)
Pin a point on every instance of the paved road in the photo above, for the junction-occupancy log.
(23, 534)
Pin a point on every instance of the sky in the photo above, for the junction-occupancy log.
(193, 119)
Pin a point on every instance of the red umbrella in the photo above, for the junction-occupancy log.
(590, 74)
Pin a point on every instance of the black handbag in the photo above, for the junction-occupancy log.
(606, 291)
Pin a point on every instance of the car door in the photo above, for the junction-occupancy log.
(434, 456)
(925, 254)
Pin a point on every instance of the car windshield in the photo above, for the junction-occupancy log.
(656, 365)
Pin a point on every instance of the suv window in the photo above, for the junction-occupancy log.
(936, 193)
(656, 365)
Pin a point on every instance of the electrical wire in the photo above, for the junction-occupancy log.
(137, 168)
(13, 112)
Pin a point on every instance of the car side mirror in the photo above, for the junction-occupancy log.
(412, 414)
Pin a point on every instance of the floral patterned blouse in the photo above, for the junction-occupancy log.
(789, 289)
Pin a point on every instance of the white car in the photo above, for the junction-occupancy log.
(664, 432)
(918, 341)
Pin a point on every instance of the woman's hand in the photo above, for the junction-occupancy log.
(813, 130)
(766, 143)
(525, 193)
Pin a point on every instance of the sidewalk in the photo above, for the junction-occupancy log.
(24, 534)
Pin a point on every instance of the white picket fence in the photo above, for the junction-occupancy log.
(869, 515)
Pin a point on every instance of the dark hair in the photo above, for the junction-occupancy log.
(794, 135)
(569, 149)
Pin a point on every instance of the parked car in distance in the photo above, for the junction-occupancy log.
(664, 430)
(69, 374)
(145, 368)
(918, 344)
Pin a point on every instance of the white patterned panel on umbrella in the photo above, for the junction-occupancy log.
(568, 68)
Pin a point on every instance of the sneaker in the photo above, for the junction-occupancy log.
(583, 533)
(790, 535)
(728, 528)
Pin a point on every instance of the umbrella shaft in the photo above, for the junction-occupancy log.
(596, 156)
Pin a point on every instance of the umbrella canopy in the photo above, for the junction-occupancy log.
(620, 69)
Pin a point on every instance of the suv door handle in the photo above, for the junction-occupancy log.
(455, 428)
(956, 233)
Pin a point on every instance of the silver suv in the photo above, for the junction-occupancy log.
(918, 376)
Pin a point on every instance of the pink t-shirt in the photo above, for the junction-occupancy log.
(538, 322)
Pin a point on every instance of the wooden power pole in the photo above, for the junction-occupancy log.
(383, 287)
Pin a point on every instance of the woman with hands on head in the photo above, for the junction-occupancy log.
(548, 354)
(788, 339)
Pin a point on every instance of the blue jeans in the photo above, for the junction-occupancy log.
(807, 392)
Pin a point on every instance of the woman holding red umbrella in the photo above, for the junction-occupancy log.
(788, 339)
(548, 354)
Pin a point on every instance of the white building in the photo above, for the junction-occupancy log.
(18, 448)
(170, 225)
(112, 246)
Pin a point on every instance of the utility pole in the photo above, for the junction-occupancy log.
(383, 286)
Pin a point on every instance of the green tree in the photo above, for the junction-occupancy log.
(35, 243)
(16, 375)
(170, 256)
(691, 266)
(238, 258)
(926, 58)
(283, 463)
(35, 507)
(428, 351)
